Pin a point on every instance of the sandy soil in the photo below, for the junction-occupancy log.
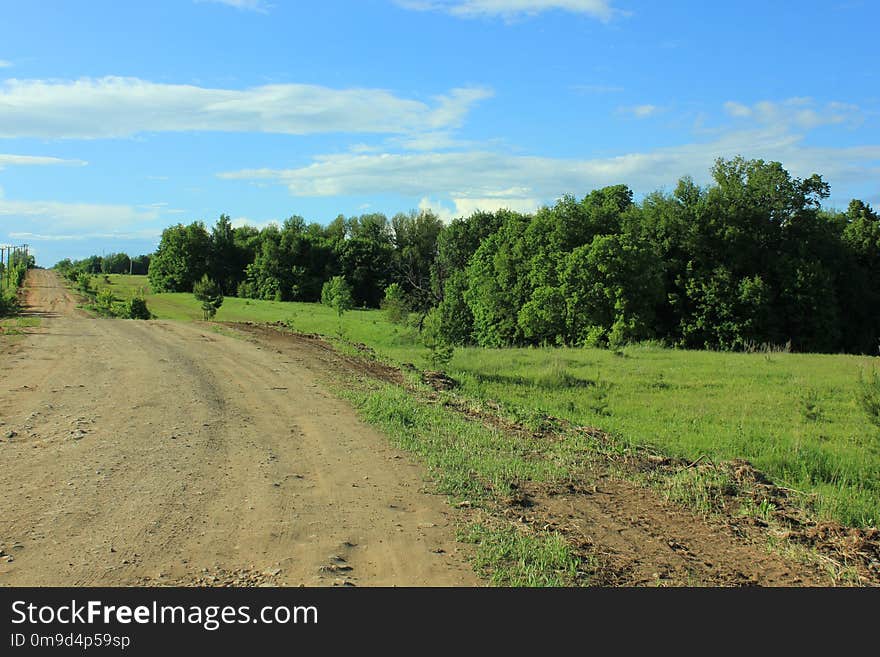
(165, 453)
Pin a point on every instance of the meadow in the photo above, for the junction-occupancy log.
(794, 416)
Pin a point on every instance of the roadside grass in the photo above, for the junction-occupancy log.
(796, 417)
(510, 556)
(704, 492)
(471, 463)
(481, 467)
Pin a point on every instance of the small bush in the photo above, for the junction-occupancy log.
(136, 308)
(208, 292)
(811, 411)
(394, 303)
(598, 398)
(440, 351)
(8, 304)
(104, 301)
(336, 293)
(84, 284)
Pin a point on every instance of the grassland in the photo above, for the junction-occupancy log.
(794, 416)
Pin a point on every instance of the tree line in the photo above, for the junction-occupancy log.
(752, 258)
(112, 263)
(293, 261)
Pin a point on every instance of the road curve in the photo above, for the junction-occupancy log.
(153, 453)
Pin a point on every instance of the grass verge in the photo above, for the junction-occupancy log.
(512, 556)
(480, 467)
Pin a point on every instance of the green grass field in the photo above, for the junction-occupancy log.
(794, 416)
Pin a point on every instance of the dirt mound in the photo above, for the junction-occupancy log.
(439, 381)
(847, 546)
(278, 333)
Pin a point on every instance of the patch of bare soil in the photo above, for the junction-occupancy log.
(628, 531)
(322, 351)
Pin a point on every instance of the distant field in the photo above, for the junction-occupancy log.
(793, 415)
(368, 326)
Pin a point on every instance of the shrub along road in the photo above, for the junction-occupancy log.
(164, 453)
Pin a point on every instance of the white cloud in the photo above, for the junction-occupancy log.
(245, 5)
(508, 9)
(737, 110)
(428, 141)
(798, 112)
(5, 63)
(121, 107)
(239, 222)
(640, 111)
(473, 178)
(7, 160)
(55, 220)
(465, 207)
(445, 213)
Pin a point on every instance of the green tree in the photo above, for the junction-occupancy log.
(136, 308)
(365, 256)
(394, 303)
(498, 284)
(115, 263)
(181, 259)
(415, 251)
(440, 350)
(860, 295)
(456, 244)
(336, 293)
(208, 292)
(224, 264)
(268, 276)
(611, 289)
(543, 317)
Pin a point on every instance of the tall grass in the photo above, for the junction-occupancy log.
(795, 417)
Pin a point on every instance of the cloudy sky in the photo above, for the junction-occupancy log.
(118, 119)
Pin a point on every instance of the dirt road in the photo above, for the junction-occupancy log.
(164, 453)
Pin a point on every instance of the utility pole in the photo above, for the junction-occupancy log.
(13, 256)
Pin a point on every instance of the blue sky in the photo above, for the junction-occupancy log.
(118, 119)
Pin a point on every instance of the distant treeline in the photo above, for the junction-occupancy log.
(751, 259)
(114, 263)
